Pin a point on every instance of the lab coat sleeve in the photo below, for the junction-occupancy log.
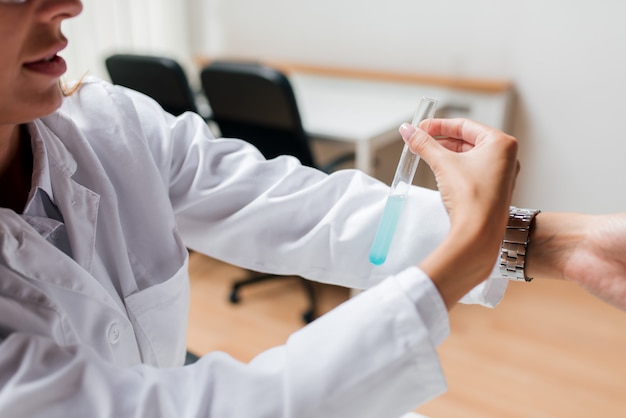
(280, 217)
(372, 357)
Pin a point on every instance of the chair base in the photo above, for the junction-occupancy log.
(307, 316)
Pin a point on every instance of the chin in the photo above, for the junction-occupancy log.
(51, 102)
(37, 103)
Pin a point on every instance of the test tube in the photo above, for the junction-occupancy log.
(400, 186)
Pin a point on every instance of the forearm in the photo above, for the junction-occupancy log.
(375, 355)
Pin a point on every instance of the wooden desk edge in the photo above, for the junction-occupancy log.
(470, 84)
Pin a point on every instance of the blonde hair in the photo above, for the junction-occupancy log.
(70, 88)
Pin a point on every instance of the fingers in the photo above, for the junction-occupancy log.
(458, 135)
(419, 141)
(466, 130)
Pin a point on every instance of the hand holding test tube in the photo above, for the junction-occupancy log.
(400, 186)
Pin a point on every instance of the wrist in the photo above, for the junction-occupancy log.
(552, 238)
(460, 263)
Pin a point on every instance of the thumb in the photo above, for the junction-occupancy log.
(419, 142)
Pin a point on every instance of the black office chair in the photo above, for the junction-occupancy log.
(161, 78)
(256, 103)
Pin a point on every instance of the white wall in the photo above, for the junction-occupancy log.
(567, 59)
(137, 26)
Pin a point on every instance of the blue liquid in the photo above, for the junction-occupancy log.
(386, 229)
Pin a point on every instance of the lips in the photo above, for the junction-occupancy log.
(49, 63)
(53, 66)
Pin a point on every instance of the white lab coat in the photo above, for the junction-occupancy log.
(102, 334)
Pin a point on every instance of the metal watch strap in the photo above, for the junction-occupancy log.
(515, 243)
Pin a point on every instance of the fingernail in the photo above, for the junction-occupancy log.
(406, 131)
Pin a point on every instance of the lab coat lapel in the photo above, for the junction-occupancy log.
(80, 208)
(20, 244)
(78, 204)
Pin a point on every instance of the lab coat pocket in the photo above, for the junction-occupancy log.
(159, 316)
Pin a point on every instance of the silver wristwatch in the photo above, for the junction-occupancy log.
(515, 243)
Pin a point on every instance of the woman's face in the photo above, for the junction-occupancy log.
(30, 38)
